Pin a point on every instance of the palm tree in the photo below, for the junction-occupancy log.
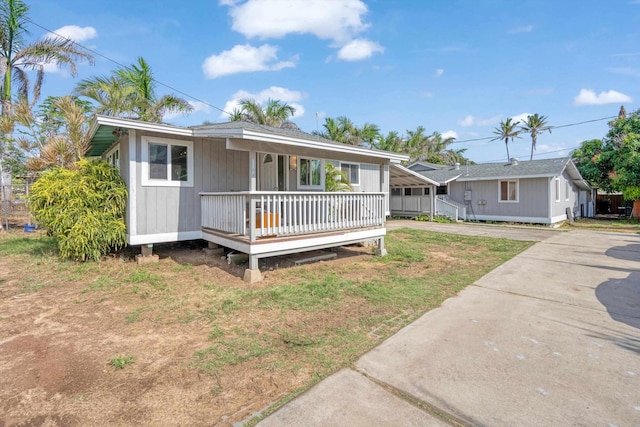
(342, 129)
(416, 144)
(131, 92)
(17, 56)
(535, 125)
(505, 132)
(112, 95)
(276, 113)
(336, 179)
(438, 151)
(391, 142)
(60, 144)
(146, 104)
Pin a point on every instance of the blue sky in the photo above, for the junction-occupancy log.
(458, 67)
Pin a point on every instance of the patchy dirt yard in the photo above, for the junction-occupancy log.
(195, 344)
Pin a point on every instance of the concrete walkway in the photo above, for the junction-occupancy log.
(550, 338)
(532, 234)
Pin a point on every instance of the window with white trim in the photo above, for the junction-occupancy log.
(508, 191)
(113, 157)
(310, 173)
(167, 162)
(557, 188)
(567, 189)
(353, 172)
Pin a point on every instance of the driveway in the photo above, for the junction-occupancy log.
(550, 338)
(533, 234)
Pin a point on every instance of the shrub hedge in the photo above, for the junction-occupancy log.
(84, 208)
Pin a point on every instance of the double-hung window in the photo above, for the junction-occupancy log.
(353, 172)
(167, 162)
(309, 173)
(508, 191)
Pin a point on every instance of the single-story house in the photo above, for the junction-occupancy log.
(251, 188)
(544, 191)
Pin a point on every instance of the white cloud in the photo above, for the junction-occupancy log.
(522, 118)
(338, 20)
(359, 49)
(589, 97)
(244, 59)
(71, 32)
(450, 134)
(74, 32)
(291, 97)
(476, 121)
(521, 29)
(439, 72)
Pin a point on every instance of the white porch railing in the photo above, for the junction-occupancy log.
(261, 214)
(448, 209)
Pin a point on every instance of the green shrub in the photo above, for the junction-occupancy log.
(83, 208)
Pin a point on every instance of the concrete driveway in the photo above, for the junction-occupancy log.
(550, 338)
(532, 234)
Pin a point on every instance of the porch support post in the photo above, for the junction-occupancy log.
(381, 251)
(432, 195)
(252, 274)
(253, 171)
(384, 189)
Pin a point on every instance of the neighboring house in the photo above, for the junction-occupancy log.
(538, 191)
(251, 188)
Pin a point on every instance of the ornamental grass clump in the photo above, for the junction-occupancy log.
(84, 208)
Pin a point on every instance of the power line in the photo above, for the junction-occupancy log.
(551, 128)
(124, 66)
(226, 112)
(535, 155)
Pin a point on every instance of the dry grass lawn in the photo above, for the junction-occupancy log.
(187, 342)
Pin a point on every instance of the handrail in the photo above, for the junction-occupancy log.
(263, 213)
(449, 209)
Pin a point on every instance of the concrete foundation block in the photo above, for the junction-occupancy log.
(381, 252)
(147, 250)
(252, 276)
(151, 259)
(237, 258)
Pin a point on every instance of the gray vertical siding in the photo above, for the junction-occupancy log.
(560, 208)
(177, 209)
(532, 200)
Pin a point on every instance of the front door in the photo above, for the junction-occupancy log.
(273, 172)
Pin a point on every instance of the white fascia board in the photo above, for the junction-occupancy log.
(413, 174)
(297, 142)
(93, 128)
(451, 179)
(139, 125)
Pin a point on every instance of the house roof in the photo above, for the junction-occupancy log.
(514, 170)
(241, 135)
(400, 176)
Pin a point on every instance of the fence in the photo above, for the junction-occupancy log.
(13, 206)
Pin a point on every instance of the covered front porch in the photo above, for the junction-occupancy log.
(263, 224)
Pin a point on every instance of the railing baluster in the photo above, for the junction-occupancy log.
(286, 213)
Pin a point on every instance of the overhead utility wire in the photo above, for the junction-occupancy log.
(552, 127)
(535, 155)
(226, 112)
(124, 66)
